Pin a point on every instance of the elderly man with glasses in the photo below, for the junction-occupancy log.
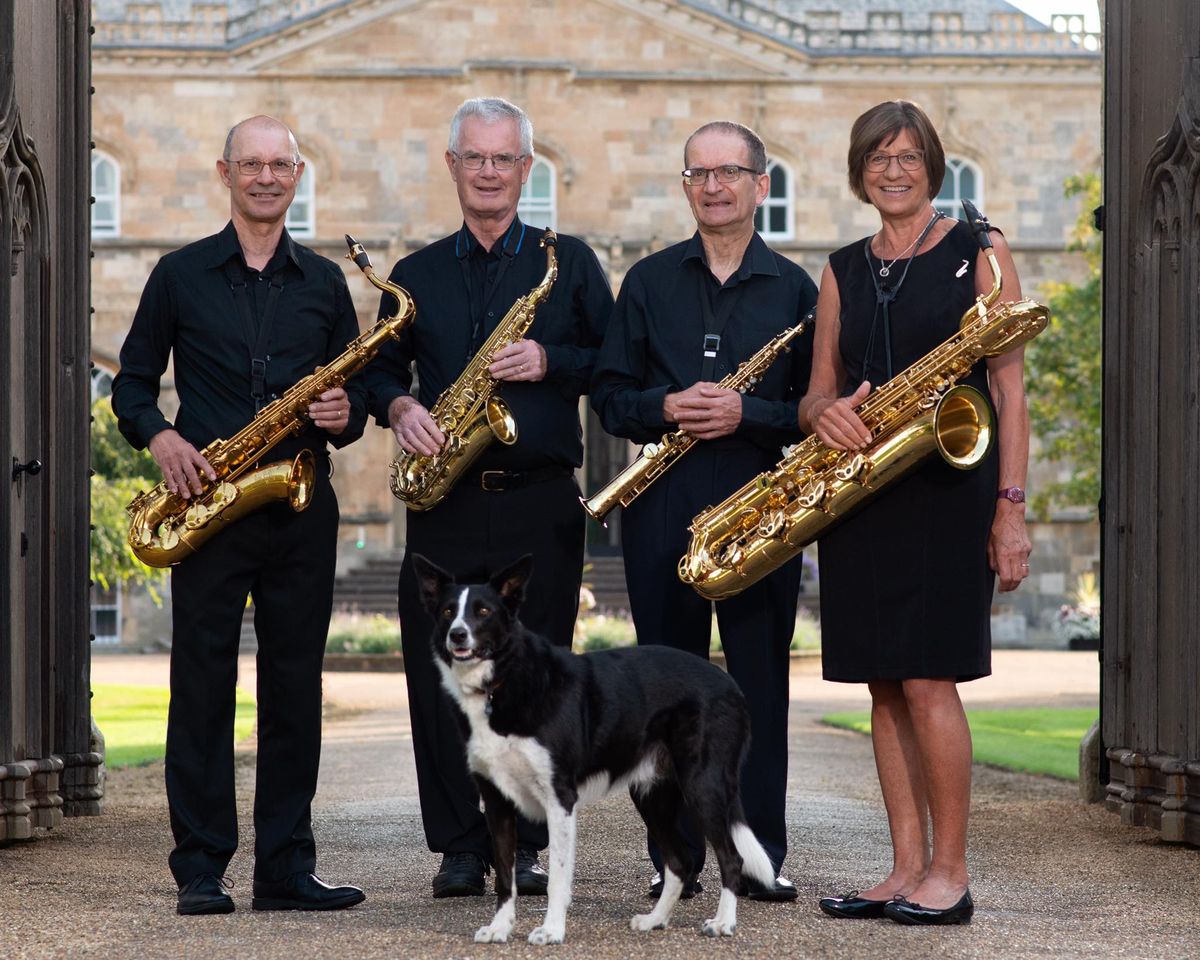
(686, 317)
(245, 313)
(515, 499)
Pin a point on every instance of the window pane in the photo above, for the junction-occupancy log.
(539, 181)
(778, 219)
(102, 176)
(966, 183)
(778, 181)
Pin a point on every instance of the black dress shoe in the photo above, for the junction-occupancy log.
(691, 887)
(204, 894)
(853, 907)
(781, 891)
(904, 911)
(303, 891)
(531, 878)
(460, 875)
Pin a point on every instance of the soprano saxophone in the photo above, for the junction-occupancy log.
(469, 413)
(656, 459)
(165, 528)
(919, 412)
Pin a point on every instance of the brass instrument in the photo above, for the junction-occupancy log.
(165, 528)
(921, 410)
(469, 413)
(656, 458)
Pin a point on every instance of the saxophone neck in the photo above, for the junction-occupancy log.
(404, 304)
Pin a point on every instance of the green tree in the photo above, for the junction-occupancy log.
(119, 472)
(1064, 367)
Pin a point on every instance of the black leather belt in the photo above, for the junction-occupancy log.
(497, 481)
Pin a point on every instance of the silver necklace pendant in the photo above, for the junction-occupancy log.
(883, 270)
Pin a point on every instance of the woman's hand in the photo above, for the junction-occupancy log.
(837, 425)
(1009, 545)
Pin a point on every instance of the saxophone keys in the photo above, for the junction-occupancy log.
(850, 467)
(812, 494)
(771, 524)
(168, 537)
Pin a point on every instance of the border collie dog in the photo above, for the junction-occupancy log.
(547, 731)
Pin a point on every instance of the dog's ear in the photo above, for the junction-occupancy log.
(431, 581)
(510, 582)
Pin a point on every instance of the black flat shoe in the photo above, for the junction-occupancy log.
(461, 875)
(303, 891)
(531, 878)
(913, 914)
(691, 887)
(204, 894)
(781, 891)
(853, 907)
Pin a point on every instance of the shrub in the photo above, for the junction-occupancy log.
(360, 633)
(602, 632)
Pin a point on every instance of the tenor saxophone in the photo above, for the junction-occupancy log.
(919, 412)
(165, 528)
(469, 412)
(656, 458)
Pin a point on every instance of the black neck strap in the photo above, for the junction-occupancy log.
(256, 339)
(715, 321)
(884, 295)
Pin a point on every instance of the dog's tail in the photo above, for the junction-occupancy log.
(755, 862)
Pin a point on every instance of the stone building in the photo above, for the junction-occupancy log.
(613, 88)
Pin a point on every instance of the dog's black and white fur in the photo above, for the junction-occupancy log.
(547, 731)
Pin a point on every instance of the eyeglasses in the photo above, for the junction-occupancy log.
(281, 169)
(726, 173)
(909, 160)
(501, 162)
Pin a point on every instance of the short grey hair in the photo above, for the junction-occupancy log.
(491, 110)
(758, 151)
(263, 121)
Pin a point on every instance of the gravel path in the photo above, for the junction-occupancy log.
(1051, 877)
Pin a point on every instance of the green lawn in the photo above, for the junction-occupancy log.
(1032, 741)
(133, 720)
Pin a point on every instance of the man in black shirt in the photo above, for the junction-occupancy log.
(247, 292)
(685, 318)
(515, 499)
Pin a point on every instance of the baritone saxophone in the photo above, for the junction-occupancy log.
(469, 412)
(919, 412)
(656, 459)
(164, 528)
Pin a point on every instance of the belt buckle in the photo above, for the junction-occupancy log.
(486, 479)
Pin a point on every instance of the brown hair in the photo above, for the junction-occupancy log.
(882, 124)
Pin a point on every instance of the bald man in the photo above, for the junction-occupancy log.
(246, 313)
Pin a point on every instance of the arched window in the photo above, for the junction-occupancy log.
(302, 214)
(964, 181)
(774, 219)
(106, 188)
(539, 205)
(102, 379)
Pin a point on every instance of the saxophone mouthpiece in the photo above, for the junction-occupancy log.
(357, 253)
(549, 238)
(979, 224)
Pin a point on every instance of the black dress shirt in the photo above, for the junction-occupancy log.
(188, 307)
(461, 293)
(655, 343)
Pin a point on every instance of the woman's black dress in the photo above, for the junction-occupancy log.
(906, 590)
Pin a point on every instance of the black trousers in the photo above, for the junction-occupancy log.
(472, 534)
(755, 626)
(285, 560)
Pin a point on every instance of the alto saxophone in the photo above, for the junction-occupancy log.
(921, 410)
(469, 413)
(656, 458)
(165, 528)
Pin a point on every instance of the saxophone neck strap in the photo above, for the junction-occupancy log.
(258, 335)
(715, 320)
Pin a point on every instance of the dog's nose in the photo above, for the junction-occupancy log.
(458, 636)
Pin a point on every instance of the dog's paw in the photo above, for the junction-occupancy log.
(647, 921)
(545, 934)
(717, 928)
(493, 933)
